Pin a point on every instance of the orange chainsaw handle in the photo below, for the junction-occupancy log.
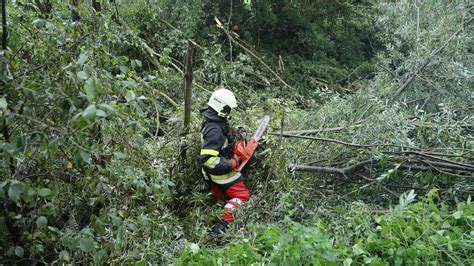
(244, 153)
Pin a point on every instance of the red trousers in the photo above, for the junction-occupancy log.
(235, 194)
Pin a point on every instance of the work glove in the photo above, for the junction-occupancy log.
(235, 162)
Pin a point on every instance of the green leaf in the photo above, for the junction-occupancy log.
(129, 83)
(106, 107)
(83, 57)
(457, 215)
(90, 89)
(120, 155)
(100, 256)
(44, 192)
(140, 262)
(357, 249)
(124, 69)
(409, 232)
(15, 190)
(86, 244)
(3, 103)
(164, 59)
(41, 222)
(85, 156)
(347, 262)
(64, 255)
(90, 112)
(130, 95)
(19, 251)
(101, 113)
(194, 248)
(82, 75)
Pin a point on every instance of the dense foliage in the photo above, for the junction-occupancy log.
(96, 168)
(424, 232)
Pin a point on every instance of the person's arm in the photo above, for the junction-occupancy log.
(209, 156)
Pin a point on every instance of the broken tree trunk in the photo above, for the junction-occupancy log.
(4, 25)
(188, 81)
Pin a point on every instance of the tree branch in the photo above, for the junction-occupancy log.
(313, 131)
(331, 170)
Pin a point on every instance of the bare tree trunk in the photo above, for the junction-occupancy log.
(188, 81)
(5, 129)
(4, 25)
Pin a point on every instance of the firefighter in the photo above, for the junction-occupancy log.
(218, 162)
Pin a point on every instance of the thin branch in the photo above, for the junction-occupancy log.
(448, 166)
(313, 131)
(331, 170)
(439, 158)
(228, 23)
(343, 142)
(441, 171)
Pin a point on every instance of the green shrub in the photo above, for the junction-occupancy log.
(410, 233)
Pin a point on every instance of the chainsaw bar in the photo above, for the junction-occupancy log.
(261, 128)
(253, 142)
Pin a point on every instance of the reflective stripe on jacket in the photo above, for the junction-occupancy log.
(215, 156)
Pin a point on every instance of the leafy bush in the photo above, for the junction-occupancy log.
(410, 233)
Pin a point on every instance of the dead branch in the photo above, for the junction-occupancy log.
(443, 167)
(441, 171)
(449, 166)
(313, 131)
(426, 155)
(431, 57)
(341, 142)
(331, 170)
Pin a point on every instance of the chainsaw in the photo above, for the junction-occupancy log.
(243, 148)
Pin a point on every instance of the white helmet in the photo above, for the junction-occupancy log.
(222, 101)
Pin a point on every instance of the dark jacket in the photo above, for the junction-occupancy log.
(216, 151)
